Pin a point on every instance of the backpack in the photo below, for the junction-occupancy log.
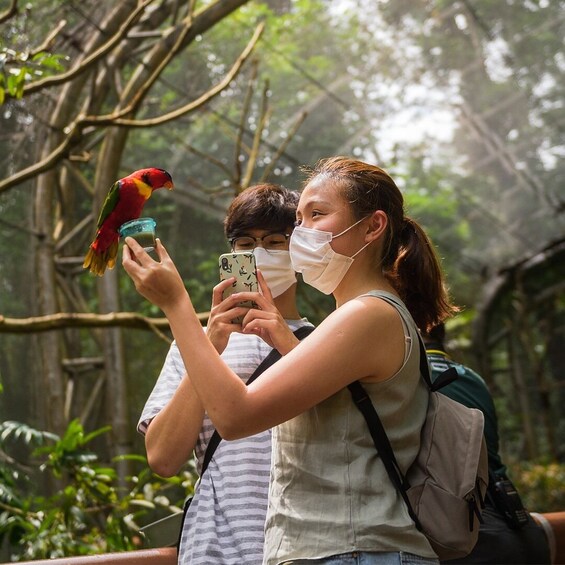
(444, 488)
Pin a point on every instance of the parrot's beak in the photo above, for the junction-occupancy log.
(169, 185)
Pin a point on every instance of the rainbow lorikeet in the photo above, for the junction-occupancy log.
(124, 202)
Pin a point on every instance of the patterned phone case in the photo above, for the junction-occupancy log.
(242, 267)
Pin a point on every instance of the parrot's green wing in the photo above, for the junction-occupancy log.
(110, 203)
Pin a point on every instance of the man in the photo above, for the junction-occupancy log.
(225, 520)
(511, 539)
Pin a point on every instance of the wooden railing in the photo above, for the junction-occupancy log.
(553, 524)
(161, 556)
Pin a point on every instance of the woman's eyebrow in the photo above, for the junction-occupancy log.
(316, 202)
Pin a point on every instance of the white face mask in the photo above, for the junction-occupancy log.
(312, 255)
(276, 268)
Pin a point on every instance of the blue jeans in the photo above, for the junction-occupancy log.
(368, 558)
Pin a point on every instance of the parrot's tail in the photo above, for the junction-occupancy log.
(97, 262)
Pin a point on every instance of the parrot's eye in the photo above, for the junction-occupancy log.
(145, 179)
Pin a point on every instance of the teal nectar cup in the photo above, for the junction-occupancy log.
(142, 230)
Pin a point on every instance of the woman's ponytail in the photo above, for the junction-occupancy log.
(417, 276)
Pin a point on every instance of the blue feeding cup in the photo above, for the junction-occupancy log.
(142, 230)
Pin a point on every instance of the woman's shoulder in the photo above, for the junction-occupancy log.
(377, 303)
(366, 315)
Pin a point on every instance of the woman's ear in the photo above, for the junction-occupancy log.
(377, 225)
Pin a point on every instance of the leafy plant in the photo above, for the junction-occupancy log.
(18, 68)
(86, 510)
(541, 485)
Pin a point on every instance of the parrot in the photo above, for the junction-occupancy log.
(124, 202)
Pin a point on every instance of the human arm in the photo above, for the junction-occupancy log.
(172, 434)
(339, 351)
(174, 413)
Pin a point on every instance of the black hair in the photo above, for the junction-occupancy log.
(263, 206)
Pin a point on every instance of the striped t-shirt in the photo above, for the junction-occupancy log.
(225, 522)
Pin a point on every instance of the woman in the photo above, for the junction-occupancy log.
(330, 498)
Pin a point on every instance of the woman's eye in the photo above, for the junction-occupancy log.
(297, 223)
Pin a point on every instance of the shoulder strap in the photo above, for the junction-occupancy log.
(382, 444)
(377, 431)
(271, 359)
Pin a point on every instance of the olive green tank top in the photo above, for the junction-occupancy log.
(329, 491)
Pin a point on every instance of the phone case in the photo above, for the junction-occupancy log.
(241, 266)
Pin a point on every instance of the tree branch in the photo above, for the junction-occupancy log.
(241, 127)
(283, 146)
(74, 132)
(91, 59)
(115, 120)
(48, 40)
(264, 116)
(85, 320)
(10, 12)
(50, 161)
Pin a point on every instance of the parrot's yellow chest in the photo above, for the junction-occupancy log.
(144, 189)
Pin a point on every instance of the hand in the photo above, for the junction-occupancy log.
(222, 312)
(159, 282)
(267, 322)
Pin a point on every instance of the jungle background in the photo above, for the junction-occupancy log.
(460, 100)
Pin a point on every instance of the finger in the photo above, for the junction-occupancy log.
(128, 260)
(139, 254)
(218, 291)
(262, 302)
(161, 251)
(126, 254)
(264, 286)
(220, 317)
(237, 299)
(255, 321)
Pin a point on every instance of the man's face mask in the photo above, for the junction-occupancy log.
(276, 268)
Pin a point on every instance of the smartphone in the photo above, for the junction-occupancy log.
(240, 265)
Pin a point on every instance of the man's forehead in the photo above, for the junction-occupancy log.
(260, 232)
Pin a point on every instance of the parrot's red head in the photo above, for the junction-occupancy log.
(154, 178)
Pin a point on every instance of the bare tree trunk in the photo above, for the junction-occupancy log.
(51, 386)
(517, 374)
(535, 364)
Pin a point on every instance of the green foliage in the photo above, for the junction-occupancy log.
(17, 70)
(541, 485)
(87, 510)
